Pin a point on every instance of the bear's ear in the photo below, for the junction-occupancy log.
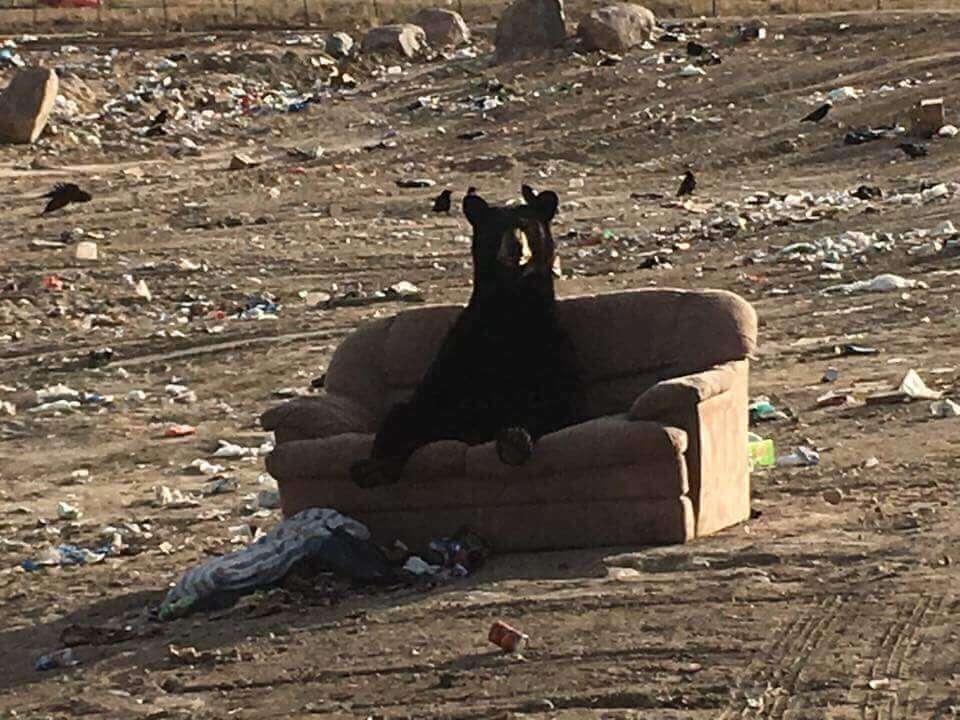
(475, 208)
(529, 196)
(546, 204)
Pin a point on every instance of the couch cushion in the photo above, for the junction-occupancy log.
(608, 458)
(662, 333)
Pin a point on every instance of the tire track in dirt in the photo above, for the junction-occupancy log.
(771, 681)
(900, 642)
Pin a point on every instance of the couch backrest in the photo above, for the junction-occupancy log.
(626, 342)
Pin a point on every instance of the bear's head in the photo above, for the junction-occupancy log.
(511, 244)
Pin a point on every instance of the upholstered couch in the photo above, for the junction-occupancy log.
(659, 454)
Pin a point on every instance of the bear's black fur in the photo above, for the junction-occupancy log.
(505, 371)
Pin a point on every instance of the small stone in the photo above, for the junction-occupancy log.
(834, 496)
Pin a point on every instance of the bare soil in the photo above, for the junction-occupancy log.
(809, 610)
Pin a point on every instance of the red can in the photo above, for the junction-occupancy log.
(508, 637)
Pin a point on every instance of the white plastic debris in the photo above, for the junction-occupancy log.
(945, 228)
(418, 566)
(66, 511)
(86, 250)
(202, 467)
(945, 409)
(172, 498)
(843, 93)
(56, 406)
(692, 71)
(143, 291)
(57, 392)
(935, 193)
(915, 388)
(948, 131)
(886, 282)
(231, 450)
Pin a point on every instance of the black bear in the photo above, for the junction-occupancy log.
(506, 371)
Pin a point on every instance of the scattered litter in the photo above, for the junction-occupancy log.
(761, 451)
(830, 375)
(886, 282)
(64, 555)
(219, 485)
(692, 71)
(340, 544)
(948, 131)
(508, 638)
(202, 467)
(231, 450)
(870, 134)
(86, 250)
(761, 409)
(269, 496)
(242, 162)
(911, 387)
(843, 93)
(172, 498)
(416, 183)
(174, 431)
(60, 659)
(945, 409)
(418, 566)
(848, 350)
(803, 456)
(66, 511)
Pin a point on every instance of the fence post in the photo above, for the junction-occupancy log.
(376, 11)
(460, 7)
(306, 13)
(715, 8)
(166, 16)
(35, 3)
(99, 12)
(236, 12)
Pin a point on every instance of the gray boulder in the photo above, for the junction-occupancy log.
(26, 104)
(444, 28)
(407, 40)
(530, 27)
(617, 27)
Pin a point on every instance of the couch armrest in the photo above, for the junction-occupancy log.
(686, 391)
(318, 417)
(712, 407)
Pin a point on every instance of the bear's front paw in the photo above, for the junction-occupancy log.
(514, 446)
(374, 473)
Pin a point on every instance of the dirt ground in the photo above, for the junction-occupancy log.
(809, 610)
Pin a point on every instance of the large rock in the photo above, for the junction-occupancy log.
(530, 27)
(26, 104)
(617, 27)
(407, 40)
(339, 44)
(444, 28)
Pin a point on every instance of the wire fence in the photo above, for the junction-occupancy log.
(119, 15)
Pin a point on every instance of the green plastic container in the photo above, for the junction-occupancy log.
(761, 452)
